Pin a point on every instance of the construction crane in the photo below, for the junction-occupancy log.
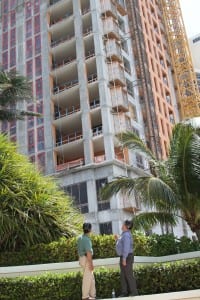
(188, 95)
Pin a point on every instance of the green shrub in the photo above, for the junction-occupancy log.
(104, 247)
(162, 245)
(157, 278)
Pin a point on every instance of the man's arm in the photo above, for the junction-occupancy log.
(90, 261)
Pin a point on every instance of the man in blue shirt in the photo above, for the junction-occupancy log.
(124, 248)
(85, 253)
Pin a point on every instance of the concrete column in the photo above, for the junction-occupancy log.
(82, 76)
(102, 73)
(92, 196)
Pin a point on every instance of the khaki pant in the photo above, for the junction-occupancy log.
(88, 283)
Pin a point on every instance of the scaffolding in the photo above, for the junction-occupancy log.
(188, 95)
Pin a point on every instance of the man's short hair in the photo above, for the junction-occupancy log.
(87, 227)
(128, 224)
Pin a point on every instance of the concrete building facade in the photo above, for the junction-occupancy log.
(92, 79)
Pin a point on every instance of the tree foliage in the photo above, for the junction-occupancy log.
(32, 208)
(13, 89)
(171, 190)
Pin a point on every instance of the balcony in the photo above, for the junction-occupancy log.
(116, 74)
(89, 54)
(69, 138)
(87, 31)
(62, 40)
(99, 158)
(60, 19)
(94, 103)
(70, 164)
(92, 78)
(119, 99)
(97, 130)
(64, 62)
(67, 112)
(110, 28)
(65, 86)
(113, 51)
(108, 9)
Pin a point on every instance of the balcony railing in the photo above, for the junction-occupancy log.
(85, 10)
(62, 40)
(66, 61)
(67, 15)
(111, 29)
(65, 86)
(108, 8)
(90, 53)
(69, 138)
(97, 130)
(70, 164)
(87, 31)
(92, 78)
(94, 103)
(61, 114)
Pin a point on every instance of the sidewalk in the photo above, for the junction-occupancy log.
(186, 295)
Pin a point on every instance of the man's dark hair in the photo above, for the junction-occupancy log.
(87, 227)
(128, 224)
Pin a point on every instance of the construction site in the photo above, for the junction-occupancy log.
(98, 68)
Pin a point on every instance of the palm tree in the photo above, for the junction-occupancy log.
(14, 88)
(32, 208)
(171, 190)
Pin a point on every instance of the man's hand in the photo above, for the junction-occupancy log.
(90, 262)
(124, 262)
(116, 236)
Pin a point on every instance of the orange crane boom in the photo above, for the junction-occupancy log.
(188, 95)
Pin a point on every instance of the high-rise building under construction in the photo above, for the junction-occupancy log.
(98, 67)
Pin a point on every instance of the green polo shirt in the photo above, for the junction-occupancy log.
(84, 245)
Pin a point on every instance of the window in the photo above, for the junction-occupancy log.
(129, 85)
(30, 118)
(28, 28)
(12, 57)
(12, 37)
(127, 65)
(29, 48)
(105, 228)
(29, 69)
(38, 88)
(12, 18)
(12, 127)
(4, 126)
(5, 60)
(28, 10)
(37, 44)
(41, 160)
(5, 23)
(40, 111)
(38, 66)
(5, 41)
(5, 6)
(102, 204)
(79, 194)
(12, 4)
(36, 7)
(32, 158)
(31, 146)
(40, 138)
(37, 24)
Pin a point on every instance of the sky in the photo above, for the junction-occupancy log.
(191, 16)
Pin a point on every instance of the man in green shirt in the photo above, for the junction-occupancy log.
(85, 253)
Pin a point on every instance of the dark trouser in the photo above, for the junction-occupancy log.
(128, 282)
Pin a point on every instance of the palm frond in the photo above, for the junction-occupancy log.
(147, 220)
(130, 140)
(122, 184)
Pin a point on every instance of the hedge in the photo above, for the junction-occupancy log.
(104, 247)
(151, 279)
